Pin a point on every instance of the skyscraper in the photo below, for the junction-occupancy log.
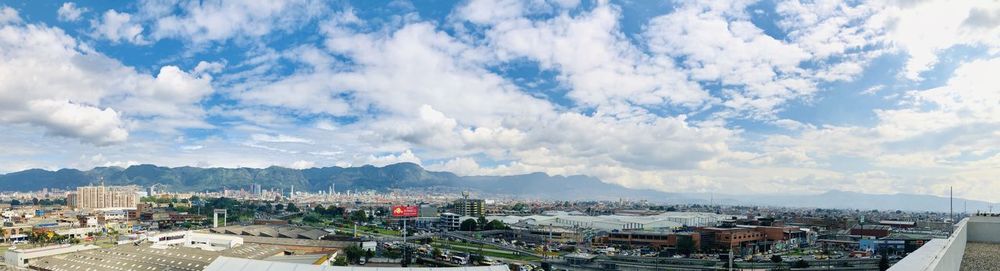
(255, 190)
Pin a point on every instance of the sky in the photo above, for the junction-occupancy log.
(679, 96)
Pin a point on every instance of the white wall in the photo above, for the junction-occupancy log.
(984, 229)
(938, 254)
(18, 257)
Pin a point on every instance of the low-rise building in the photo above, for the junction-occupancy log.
(877, 231)
(23, 257)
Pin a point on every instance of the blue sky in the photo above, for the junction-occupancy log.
(733, 97)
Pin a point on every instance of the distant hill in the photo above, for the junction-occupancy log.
(412, 176)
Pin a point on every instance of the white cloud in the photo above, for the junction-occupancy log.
(279, 139)
(63, 118)
(388, 159)
(205, 67)
(613, 72)
(488, 11)
(720, 44)
(70, 83)
(192, 147)
(924, 39)
(205, 21)
(69, 12)
(9, 15)
(118, 27)
(302, 164)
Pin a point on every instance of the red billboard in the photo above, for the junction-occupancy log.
(405, 211)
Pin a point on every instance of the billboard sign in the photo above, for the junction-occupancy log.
(405, 211)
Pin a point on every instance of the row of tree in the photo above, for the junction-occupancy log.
(482, 224)
(36, 201)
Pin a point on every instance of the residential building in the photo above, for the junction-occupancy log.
(471, 207)
(103, 197)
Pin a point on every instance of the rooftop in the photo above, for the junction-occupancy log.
(974, 245)
(128, 257)
(981, 256)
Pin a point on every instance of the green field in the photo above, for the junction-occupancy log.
(487, 250)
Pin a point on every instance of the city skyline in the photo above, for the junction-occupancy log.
(730, 97)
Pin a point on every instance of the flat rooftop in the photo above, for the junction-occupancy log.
(981, 256)
(143, 257)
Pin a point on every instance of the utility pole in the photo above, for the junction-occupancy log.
(730, 257)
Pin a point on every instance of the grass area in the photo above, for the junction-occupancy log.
(487, 246)
(488, 250)
(366, 230)
(460, 243)
(388, 232)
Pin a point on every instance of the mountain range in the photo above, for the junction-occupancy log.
(412, 176)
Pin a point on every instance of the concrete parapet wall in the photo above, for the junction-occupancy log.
(938, 254)
(984, 229)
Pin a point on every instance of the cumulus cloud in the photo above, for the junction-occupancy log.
(955, 23)
(63, 118)
(302, 164)
(53, 82)
(9, 15)
(279, 139)
(69, 12)
(388, 159)
(118, 27)
(614, 70)
(205, 21)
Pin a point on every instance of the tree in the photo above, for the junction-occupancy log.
(368, 255)
(279, 207)
(468, 225)
(685, 245)
(292, 208)
(15, 202)
(776, 258)
(481, 222)
(495, 225)
(476, 258)
(392, 253)
(359, 216)
(34, 201)
(436, 252)
(311, 218)
(354, 254)
(335, 211)
(340, 261)
(883, 263)
(800, 264)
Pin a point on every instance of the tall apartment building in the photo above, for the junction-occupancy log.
(470, 207)
(256, 190)
(103, 197)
